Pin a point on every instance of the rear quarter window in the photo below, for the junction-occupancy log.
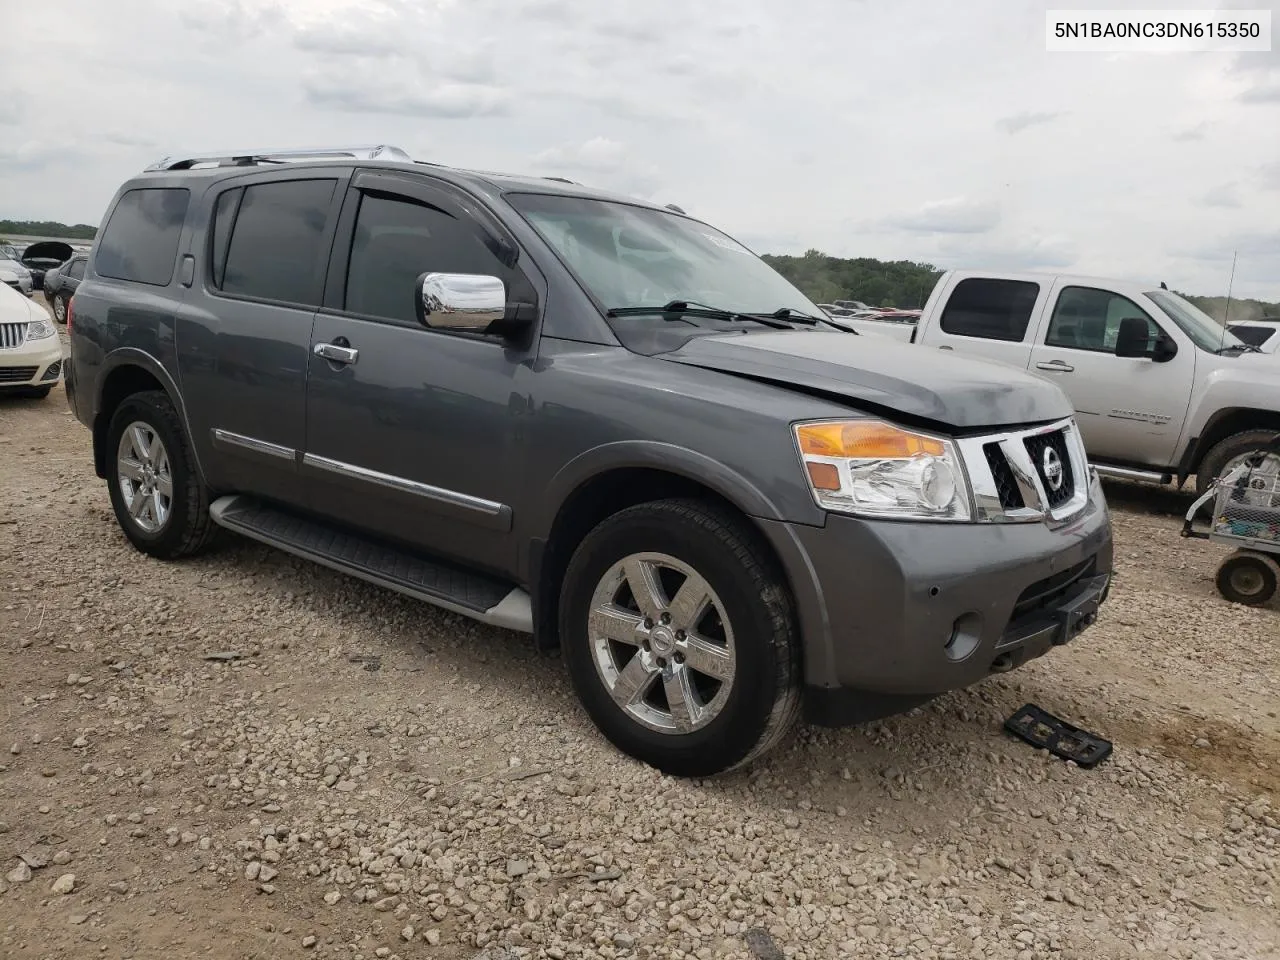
(140, 241)
(990, 309)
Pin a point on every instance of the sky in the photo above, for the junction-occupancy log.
(928, 131)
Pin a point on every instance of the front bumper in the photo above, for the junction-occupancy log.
(37, 363)
(895, 613)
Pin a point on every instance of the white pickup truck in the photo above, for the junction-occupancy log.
(1163, 392)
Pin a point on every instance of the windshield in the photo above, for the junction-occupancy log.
(631, 256)
(1204, 331)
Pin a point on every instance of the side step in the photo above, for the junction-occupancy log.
(438, 582)
(1128, 473)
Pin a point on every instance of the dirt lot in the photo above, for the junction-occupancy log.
(357, 775)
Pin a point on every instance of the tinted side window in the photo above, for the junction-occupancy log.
(76, 270)
(224, 217)
(990, 309)
(275, 250)
(140, 241)
(397, 240)
(1085, 318)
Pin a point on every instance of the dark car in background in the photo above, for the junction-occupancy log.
(43, 256)
(60, 285)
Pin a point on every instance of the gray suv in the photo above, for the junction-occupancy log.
(584, 417)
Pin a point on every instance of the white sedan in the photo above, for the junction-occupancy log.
(13, 272)
(30, 352)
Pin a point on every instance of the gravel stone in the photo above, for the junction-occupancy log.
(64, 884)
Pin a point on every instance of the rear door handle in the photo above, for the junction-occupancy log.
(944, 347)
(1055, 365)
(336, 353)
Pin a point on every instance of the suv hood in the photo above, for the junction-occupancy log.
(884, 375)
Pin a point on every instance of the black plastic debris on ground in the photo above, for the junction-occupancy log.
(372, 661)
(1042, 729)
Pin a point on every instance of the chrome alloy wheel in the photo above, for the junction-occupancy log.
(146, 480)
(662, 643)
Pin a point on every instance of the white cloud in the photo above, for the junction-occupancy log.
(956, 215)
(1029, 118)
(817, 123)
(1226, 195)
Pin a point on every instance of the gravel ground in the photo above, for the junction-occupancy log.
(249, 756)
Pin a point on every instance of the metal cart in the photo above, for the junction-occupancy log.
(1246, 515)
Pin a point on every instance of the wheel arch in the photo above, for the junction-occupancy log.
(609, 479)
(1224, 423)
(129, 371)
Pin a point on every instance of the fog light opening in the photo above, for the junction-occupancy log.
(965, 635)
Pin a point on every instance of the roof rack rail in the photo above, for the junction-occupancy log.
(246, 158)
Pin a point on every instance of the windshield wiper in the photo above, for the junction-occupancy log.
(679, 309)
(1242, 347)
(796, 316)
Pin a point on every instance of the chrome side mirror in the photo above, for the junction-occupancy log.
(464, 302)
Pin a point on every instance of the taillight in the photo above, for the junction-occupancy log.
(70, 304)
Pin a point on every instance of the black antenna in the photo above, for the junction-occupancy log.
(1226, 317)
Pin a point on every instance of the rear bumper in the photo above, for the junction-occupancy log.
(37, 363)
(893, 614)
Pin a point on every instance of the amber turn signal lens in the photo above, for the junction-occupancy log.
(823, 476)
(865, 439)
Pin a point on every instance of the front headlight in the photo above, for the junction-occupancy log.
(39, 329)
(873, 468)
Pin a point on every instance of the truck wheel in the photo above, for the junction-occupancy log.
(1248, 578)
(1229, 452)
(159, 500)
(680, 637)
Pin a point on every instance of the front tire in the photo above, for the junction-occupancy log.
(155, 489)
(1230, 451)
(680, 637)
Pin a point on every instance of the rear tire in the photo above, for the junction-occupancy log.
(1248, 578)
(1232, 448)
(59, 308)
(718, 677)
(156, 492)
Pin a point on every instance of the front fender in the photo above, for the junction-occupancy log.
(655, 455)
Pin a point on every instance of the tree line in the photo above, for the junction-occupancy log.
(47, 228)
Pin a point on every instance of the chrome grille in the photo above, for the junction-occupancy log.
(1013, 481)
(12, 335)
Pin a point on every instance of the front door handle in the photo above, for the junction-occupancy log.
(1057, 366)
(944, 347)
(336, 352)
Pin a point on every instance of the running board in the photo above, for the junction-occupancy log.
(1128, 473)
(437, 582)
